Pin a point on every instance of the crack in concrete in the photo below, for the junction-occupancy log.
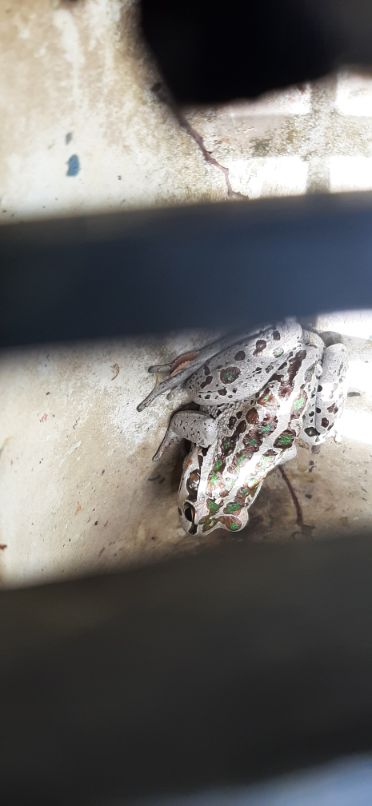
(164, 97)
(3, 446)
(299, 515)
(198, 139)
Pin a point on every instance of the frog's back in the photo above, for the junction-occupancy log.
(241, 370)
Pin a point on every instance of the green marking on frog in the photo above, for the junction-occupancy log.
(285, 440)
(234, 506)
(228, 445)
(298, 404)
(212, 506)
(241, 458)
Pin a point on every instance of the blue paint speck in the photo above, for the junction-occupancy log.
(73, 165)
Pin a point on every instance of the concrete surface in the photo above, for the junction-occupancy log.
(85, 126)
(78, 489)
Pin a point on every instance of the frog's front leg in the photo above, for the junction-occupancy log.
(192, 425)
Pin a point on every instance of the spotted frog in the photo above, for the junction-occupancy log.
(257, 396)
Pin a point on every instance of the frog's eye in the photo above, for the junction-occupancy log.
(189, 512)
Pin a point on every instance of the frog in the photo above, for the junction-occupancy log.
(255, 397)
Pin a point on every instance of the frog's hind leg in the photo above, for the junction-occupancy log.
(192, 425)
(181, 369)
(328, 400)
(180, 362)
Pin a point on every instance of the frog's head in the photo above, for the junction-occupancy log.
(200, 512)
(207, 501)
(200, 519)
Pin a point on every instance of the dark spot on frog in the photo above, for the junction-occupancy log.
(294, 365)
(229, 375)
(353, 394)
(318, 410)
(206, 369)
(224, 392)
(232, 422)
(240, 356)
(276, 335)
(333, 409)
(325, 422)
(204, 451)
(73, 165)
(252, 416)
(260, 346)
(311, 432)
(309, 374)
(200, 460)
(208, 380)
(207, 397)
(277, 377)
(192, 484)
(240, 428)
(320, 388)
(239, 414)
(271, 452)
